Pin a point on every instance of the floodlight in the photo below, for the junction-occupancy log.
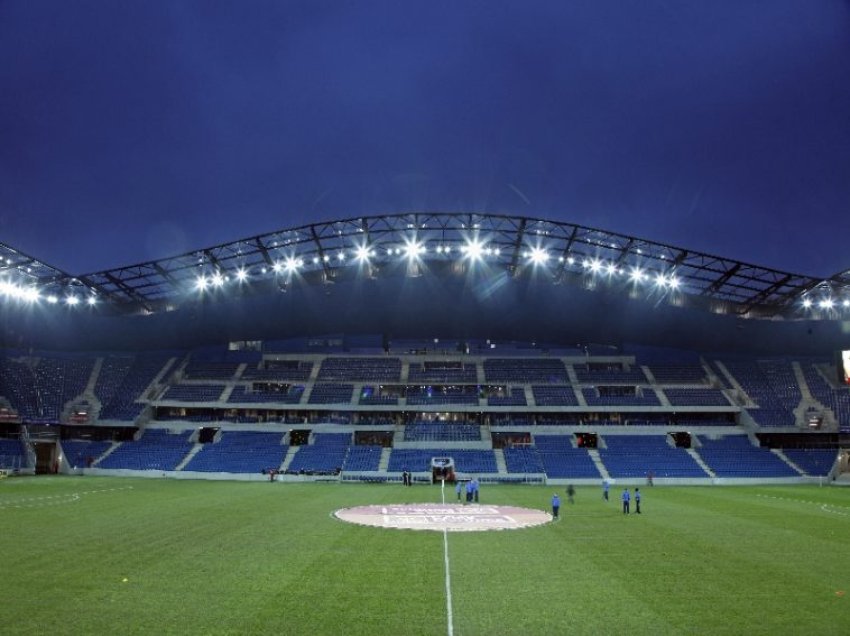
(72, 300)
(611, 269)
(660, 280)
(340, 256)
(473, 250)
(52, 299)
(636, 275)
(217, 279)
(570, 260)
(673, 282)
(807, 303)
(92, 301)
(277, 267)
(241, 275)
(293, 264)
(201, 283)
(845, 303)
(413, 250)
(363, 253)
(538, 255)
(826, 303)
(595, 265)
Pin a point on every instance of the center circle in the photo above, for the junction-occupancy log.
(440, 517)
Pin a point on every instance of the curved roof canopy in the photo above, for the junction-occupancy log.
(552, 251)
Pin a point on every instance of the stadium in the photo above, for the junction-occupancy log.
(519, 353)
(424, 318)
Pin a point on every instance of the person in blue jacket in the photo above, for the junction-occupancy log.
(556, 505)
(626, 498)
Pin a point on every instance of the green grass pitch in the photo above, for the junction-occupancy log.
(147, 556)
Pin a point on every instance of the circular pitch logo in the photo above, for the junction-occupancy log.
(449, 517)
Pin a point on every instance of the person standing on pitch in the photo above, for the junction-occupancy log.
(458, 488)
(605, 486)
(626, 498)
(556, 505)
(637, 501)
(571, 494)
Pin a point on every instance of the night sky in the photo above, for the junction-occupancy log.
(136, 130)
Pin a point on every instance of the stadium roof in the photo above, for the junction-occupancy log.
(554, 252)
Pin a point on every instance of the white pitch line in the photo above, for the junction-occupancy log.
(450, 619)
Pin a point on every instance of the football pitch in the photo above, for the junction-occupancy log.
(99, 555)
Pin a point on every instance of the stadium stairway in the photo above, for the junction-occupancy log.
(195, 450)
(597, 460)
(801, 381)
(747, 400)
(384, 464)
(287, 460)
(702, 464)
(778, 452)
(500, 461)
(106, 454)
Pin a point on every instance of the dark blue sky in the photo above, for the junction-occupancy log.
(137, 130)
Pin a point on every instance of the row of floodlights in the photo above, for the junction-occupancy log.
(825, 303)
(472, 251)
(33, 295)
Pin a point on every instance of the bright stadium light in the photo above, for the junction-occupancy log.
(473, 250)
(660, 280)
(413, 249)
(201, 283)
(277, 267)
(673, 282)
(595, 265)
(92, 301)
(363, 253)
(636, 275)
(807, 303)
(72, 300)
(340, 256)
(52, 299)
(538, 256)
(845, 303)
(241, 275)
(611, 269)
(570, 260)
(217, 280)
(826, 303)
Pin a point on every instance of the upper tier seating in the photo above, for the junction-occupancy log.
(442, 373)
(634, 375)
(554, 395)
(515, 398)
(835, 398)
(690, 374)
(696, 397)
(644, 397)
(431, 396)
(120, 385)
(244, 395)
(298, 371)
(203, 370)
(331, 393)
(365, 369)
(537, 370)
(194, 392)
